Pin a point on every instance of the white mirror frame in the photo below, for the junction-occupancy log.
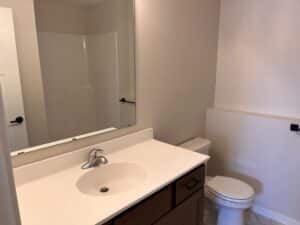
(63, 141)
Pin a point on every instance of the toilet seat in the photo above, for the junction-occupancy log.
(230, 189)
(222, 202)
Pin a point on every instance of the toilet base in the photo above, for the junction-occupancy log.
(230, 216)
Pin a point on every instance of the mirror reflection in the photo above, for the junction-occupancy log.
(87, 81)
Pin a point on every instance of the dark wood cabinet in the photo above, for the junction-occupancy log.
(190, 212)
(149, 210)
(189, 184)
(180, 203)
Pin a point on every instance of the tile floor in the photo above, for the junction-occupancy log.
(210, 217)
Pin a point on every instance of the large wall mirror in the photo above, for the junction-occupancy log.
(86, 53)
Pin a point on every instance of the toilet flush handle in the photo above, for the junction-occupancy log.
(295, 128)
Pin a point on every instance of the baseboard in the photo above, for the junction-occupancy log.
(274, 215)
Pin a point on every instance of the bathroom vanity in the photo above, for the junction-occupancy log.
(145, 182)
(180, 203)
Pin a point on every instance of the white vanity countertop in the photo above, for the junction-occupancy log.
(53, 198)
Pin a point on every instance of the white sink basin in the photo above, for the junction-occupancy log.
(111, 179)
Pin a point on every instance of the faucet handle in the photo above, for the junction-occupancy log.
(95, 152)
(95, 158)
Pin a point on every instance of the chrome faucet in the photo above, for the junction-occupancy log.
(96, 158)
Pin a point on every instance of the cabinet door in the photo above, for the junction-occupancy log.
(190, 212)
(189, 184)
(149, 211)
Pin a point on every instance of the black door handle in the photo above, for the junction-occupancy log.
(19, 120)
(124, 100)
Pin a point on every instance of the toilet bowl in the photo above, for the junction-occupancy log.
(231, 196)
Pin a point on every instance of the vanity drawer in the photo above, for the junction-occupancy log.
(189, 184)
(149, 211)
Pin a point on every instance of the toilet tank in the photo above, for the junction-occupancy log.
(198, 144)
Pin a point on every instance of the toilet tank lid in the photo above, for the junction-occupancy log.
(196, 144)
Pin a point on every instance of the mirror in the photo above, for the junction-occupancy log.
(87, 81)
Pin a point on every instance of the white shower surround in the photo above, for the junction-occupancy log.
(71, 65)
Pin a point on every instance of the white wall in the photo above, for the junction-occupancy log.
(261, 151)
(257, 71)
(258, 66)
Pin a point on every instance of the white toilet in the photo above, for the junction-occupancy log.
(231, 196)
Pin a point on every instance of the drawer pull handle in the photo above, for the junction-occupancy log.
(192, 184)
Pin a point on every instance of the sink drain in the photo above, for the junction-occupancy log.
(104, 189)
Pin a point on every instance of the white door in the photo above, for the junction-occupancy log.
(11, 84)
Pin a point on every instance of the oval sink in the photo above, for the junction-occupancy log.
(111, 179)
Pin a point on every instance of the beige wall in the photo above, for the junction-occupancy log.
(176, 62)
(29, 68)
(103, 18)
(60, 17)
(258, 60)
(176, 58)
